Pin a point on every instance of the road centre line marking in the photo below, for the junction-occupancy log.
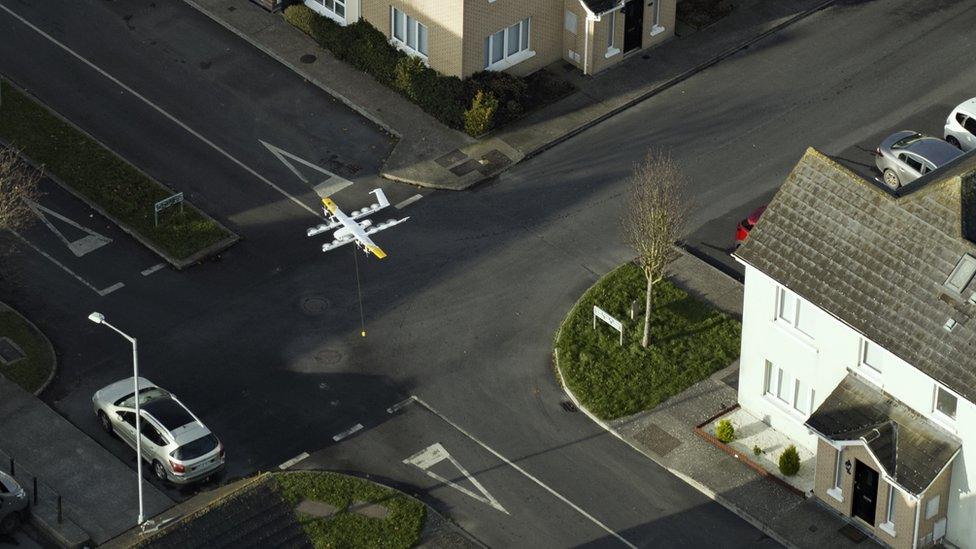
(101, 293)
(153, 269)
(525, 473)
(293, 461)
(348, 432)
(160, 110)
(408, 201)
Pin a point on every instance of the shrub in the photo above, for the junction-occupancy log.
(724, 431)
(756, 450)
(789, 461)
(301, 17)
(509, 90)
(480, 118)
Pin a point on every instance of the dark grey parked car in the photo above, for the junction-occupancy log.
(907, 155)
(13, 504)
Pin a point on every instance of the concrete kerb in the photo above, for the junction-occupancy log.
(47, 344)
(676, 80)
(178, 264)
(756, 522)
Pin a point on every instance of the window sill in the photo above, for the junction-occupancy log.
(785, 407)
(836, 493)
(319, 9)
(656, 30)
(511, 61)
(945, 421)
(796, 335)
(888, 528)
(611, 52)
(396, 43)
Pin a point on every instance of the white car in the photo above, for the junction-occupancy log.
(960, 127)
(175, 443)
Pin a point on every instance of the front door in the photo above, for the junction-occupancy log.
(633, 24)
(865, 493)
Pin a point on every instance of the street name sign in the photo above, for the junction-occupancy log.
(613, 322)
(166, 203)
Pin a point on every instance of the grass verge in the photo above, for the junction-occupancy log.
(30, 372)
(400, 529)
(690, 340)
(103, 178)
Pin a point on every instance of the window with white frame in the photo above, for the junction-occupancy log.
(408, 33)
(838, 467)
(870, 357)
(790, 310)
(945, 403)
(331, 7)
(508, 44)
(611, 30)
(787, 389)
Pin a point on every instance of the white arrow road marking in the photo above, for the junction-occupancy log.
(86, 244)
(434, 454)
(328, 187)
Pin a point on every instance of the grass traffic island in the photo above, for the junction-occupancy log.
(350, 525)
(29, 361)
(112, 184)
(690, 340)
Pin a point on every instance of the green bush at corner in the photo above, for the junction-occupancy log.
(689, 341)
(724, 431)
(789, 461)
(446, 98)
(400, 529)
(479, 118)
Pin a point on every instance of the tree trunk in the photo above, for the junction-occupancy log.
(648, 300)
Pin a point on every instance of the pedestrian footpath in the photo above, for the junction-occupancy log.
(429, 154)
(84, 493)
(666, 436)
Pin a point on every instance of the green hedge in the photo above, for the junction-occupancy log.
(105, 179)
(446, 98)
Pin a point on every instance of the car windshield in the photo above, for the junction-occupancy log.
(195, 448)
(145, 395)
(906, 141)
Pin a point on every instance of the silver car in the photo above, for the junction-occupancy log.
(907, 155)
(960, 127)
(13, 504)
(176, 444)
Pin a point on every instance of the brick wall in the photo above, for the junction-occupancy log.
(575, 41)
(444, 20)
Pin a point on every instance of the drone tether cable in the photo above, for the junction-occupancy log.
(359, 291)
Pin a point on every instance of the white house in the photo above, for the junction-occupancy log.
(858, 342)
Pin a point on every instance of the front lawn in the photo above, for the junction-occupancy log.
(401, 528)
(32, 371)
(103, 178)
(690, 340)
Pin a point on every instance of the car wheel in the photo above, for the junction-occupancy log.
(159, 471)
(9, 523)
(891, 179)
(105, 422)
(953, 141)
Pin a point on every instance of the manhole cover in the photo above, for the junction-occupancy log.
(9, 351)
(308, 59)
(328, 356)
(568, 406)
(314, 305)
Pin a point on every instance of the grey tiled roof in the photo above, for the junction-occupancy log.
(601, 6)
(878, 261)
(911, 449)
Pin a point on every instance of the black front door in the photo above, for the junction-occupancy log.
(633, 24)
(865, 493)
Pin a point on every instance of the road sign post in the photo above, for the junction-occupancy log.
(613, 322)
(166, 203)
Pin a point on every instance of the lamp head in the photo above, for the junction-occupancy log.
(97, 318)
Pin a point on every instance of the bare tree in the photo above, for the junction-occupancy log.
(18, 184)
(653, 220)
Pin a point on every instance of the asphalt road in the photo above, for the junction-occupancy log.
(264, 343)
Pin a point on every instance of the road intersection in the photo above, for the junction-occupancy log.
(264, 342)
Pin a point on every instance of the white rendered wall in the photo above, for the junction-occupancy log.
(821, 360)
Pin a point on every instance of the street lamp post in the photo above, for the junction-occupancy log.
(99, 318)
